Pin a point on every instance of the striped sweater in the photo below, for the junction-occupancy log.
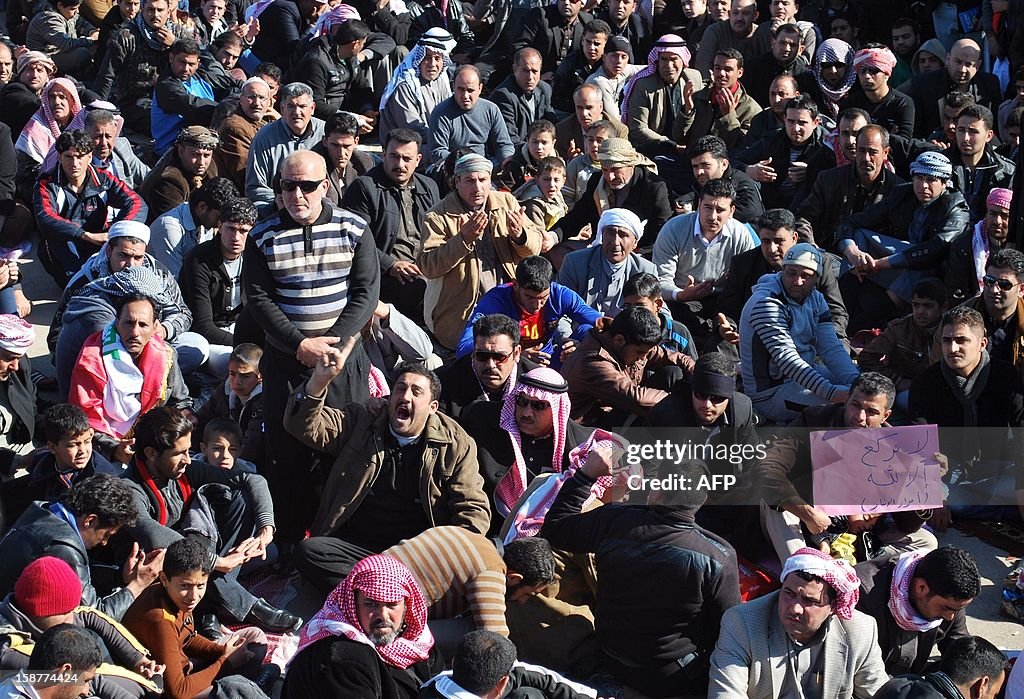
(782, 340)
(459, 571)
(311, 280)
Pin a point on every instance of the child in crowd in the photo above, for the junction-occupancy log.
(68, 458)
(239, 398)
(542, 197)
(644, 290)
(523, 165)
(902, 350)
(222, 442)
(162, 618)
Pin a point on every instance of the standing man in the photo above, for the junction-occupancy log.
(310, 280)
(394, 200)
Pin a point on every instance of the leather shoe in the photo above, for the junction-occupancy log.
(269, 674)
(272, 619)
(208, 626)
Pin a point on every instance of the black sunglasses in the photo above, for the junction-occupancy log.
(483, 356)
(1004, 284)
(538, 405)
(705, 396)
(307, 186)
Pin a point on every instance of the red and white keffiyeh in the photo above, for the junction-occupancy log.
(16, 335)
(382, 579)
(900, 606)
(879, 58)
(378, 383)
(837, 573)
(42, 130)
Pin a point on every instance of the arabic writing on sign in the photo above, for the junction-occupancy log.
(876, 470)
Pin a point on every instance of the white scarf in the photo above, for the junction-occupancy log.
(979, 251)
(121, 403)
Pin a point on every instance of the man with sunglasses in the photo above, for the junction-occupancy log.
(311, 278)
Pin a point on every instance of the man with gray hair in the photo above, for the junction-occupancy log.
(112, 151)
(254, 111)
(297, 129)
(418, 85)
(464, 120)
(472, 241)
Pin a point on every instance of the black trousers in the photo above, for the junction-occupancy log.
(407, 298)
(324, 561)
(293, 469)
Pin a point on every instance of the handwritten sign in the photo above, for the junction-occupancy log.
(876, 470)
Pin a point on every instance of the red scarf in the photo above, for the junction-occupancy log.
(147, 480)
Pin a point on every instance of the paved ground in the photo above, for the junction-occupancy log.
(993, 563)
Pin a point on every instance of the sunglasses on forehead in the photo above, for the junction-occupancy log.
(307, 186)
(538, 405)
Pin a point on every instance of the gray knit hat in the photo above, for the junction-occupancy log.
(932, 164)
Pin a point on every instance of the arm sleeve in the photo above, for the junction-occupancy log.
(485, 594)
(124, 649)
(772, 473)
(258, 284)
(666, 256)
(440, 128)
(731, 661)
(48, 217)
(195, 283)
(566, 527)
(173, 98)
(439, 256)
(258, 175)
(315, 424)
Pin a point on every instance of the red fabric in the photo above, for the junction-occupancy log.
(147, 480)
(89, 379)
(718, 100)
(530, 328)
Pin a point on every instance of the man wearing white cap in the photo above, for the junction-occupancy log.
(17, 392)
(472, 241)
(418, 85)
(789, 352)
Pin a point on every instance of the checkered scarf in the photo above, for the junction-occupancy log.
(900, 605)
(671, 43)
(834, 51)
(838, 574)
(383, 579)
(42, 130)
(513, 485)
(16, 336)
(434, 39)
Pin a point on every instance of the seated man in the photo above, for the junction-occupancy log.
(181, 170)
(620, 373)
(904, 348)
(554, 32)
(837, 194)
(177, 232)
(571, 73)
(614, 72)
(643, 554)
(169, 489)
(64, 651)
(587, 107)
(968, 387)
(472, 240)
(540, 306)
(789, 350)
(784, 59)
(340, 150)
(919, 601)
(211, 281)
(788, 515)
(485, 665)
(254, 111)
(644, 290)
(624, 184)
(814, 615)
(465, 120)
(693, 253)
(969, 252)
(526, 434)
(76, 205)
(68, 529)
(971, 667)
(419, 84)
(977, 168)
(369, 639)
(112, 151)
(885, 105)
(709, 158)
(773, 117)
(599, 272)
(331, 67)
(722, 109)
(777, 231)
(489, 372)
(523, 97)
(181, 98)
(125, 370)
(359, 515)
(900, 240)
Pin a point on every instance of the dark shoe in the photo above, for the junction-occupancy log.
(208, 626)
(269, 674)
(272, 619)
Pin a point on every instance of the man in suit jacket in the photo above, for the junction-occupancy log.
(522, 97)
(809, 627)
(555, 31)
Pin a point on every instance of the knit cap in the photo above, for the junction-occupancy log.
(932, 164)
(48, 586)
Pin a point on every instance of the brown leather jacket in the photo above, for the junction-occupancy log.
(451, 487)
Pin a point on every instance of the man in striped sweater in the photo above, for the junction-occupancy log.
(785, 329)
(309, 282)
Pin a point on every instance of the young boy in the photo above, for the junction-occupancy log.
(162, 619)
(542, 197)
(239, 398)
(643, 289)
(522, 167)
(902, 350)
(68, 458)
(222, 442)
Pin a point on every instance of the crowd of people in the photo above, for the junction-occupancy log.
(385, 298)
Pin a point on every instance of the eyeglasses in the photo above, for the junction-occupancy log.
(483, 356)
(714, 399)
(307, 186)
(538, 405)
(1004, 284)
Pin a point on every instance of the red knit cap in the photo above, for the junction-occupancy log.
(46, 587)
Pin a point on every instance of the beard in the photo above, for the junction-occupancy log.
(382, 635)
